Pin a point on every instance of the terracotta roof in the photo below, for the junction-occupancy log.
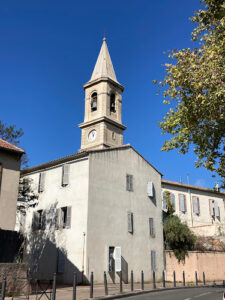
(8, 146)
(190, 186)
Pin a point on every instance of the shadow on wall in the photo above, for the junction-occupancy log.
(44, 258)
(124, 268)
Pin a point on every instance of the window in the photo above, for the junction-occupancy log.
(65, 174)
(60, 260)
(151, 227)
(130, 222)
(150, 189)
(0, 175)
(173, 201)
(182, 203)
(112, 103)
(129, 182)
(63, 217)
(153, 260)
(164, 200)
(196, 206)
(38, 222)
(94, 101)
(214, 208)
(111, 264)
(41, 185)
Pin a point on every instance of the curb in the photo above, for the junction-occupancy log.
(130, 294)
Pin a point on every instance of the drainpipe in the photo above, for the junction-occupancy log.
(82, 279)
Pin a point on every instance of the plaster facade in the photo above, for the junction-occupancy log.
(99, 203)
(202, 223)
(9, 183)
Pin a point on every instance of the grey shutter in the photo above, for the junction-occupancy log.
(41, 182)
(211, 208)
(173, 201)
(150, 189)
(153, 260)
(60, 261)
(130, 222)
(151, 227)
(128, 182)
(196, 206)
(43, 220)
(65, 174)
(35, 221)
(131, 183)
(182, 203)
(217, 210)
(68, 217)
(58, 218)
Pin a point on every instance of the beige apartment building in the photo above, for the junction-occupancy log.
(201, 208)
(10, 161)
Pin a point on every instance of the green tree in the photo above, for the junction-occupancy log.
(12, 135)
(194, 87)
(178, 236)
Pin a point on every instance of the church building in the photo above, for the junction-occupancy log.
(99, 209)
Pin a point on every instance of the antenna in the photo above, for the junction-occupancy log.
(188, 179)
(180, 180)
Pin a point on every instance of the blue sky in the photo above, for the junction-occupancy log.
(48, 51)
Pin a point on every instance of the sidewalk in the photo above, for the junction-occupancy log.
(83, 292)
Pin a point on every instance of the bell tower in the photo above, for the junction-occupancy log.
(102, 126)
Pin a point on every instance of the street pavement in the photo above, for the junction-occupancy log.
(183, 294)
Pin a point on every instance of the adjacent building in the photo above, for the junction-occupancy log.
(201, 208)
(10, 161)
(100, 209)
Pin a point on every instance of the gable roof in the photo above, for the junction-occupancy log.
(78, 156)
(194, 187)
(10, 147)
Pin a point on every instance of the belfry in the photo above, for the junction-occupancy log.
(102, 127)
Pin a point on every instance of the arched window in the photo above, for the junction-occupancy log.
(112, 103)
(94, 102)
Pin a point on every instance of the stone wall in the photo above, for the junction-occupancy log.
(212, 263)
(16, 278)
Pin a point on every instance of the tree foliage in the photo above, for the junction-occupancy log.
(178, 236)
(194, 87)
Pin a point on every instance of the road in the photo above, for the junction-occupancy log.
(184, 294)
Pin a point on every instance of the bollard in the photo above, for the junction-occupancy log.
(204, 278)
(164, 279)
(74, 286)
(132, 281)
(54, 287)
(196, 278)
(91, 285)
(183, 278)
(142, 280)
(105, 284)
(121, 283)
(154, 284)
(174, 278)
(3, 288)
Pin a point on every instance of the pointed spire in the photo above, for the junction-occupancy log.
(104, 66)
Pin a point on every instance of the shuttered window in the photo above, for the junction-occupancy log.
(173, 201)
(211, 208)
(182, 201)
(41, 185)
(60, 261)
(65, 174)
(151, 227)
(153, 260)
(118, 259)
(63, 217)
(217, 209)
(130, 222)
(150, 189)
(164, 205)
(39, 220)
(196, 206)
(129, 183)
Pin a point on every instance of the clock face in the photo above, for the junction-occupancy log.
(92, 135)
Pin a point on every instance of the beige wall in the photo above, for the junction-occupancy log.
(9, 188)
(202, 224)
(108, 205)
(212, 263)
